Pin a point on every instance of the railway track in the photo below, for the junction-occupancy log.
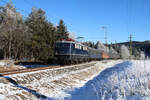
(6, 73)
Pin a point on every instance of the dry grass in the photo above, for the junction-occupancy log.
(8, 65)
(10, 68)
(7, 68)
(21, 96)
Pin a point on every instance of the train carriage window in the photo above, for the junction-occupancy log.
(77, 46)
(84, 48)
(80, 47)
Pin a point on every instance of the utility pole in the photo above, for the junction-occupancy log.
(105, 29)
(115, 44)
(130, 37)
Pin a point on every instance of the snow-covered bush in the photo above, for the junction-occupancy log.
(113, 53)
(142, 55)
(6, 63)
(101, 46)
(125, 54)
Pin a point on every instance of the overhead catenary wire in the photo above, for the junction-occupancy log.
(27, 2)
(30, 4)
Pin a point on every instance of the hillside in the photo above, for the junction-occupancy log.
(137, 45)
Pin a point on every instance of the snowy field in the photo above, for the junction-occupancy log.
(105, 80)
(129, 80)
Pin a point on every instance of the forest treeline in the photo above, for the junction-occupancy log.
(30, 38)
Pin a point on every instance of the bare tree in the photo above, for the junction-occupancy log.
(12, 32)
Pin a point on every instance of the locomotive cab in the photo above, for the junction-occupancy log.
(62, 48)
(70, 52)
(62, 52)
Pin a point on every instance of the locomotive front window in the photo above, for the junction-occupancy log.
(63, 45)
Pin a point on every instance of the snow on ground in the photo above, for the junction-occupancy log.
(104, 80)
(129, 80)
(50, 84)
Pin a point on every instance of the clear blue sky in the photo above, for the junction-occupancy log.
(86, 17)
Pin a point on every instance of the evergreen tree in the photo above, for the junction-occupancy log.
(61, 32)
(43, 35)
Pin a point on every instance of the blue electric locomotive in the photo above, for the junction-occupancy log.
(70, 52)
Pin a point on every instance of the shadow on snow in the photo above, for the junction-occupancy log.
(90, 91)
(36, 94)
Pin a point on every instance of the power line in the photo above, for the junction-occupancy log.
(27, 2)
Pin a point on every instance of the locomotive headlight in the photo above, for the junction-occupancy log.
(56, 52)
